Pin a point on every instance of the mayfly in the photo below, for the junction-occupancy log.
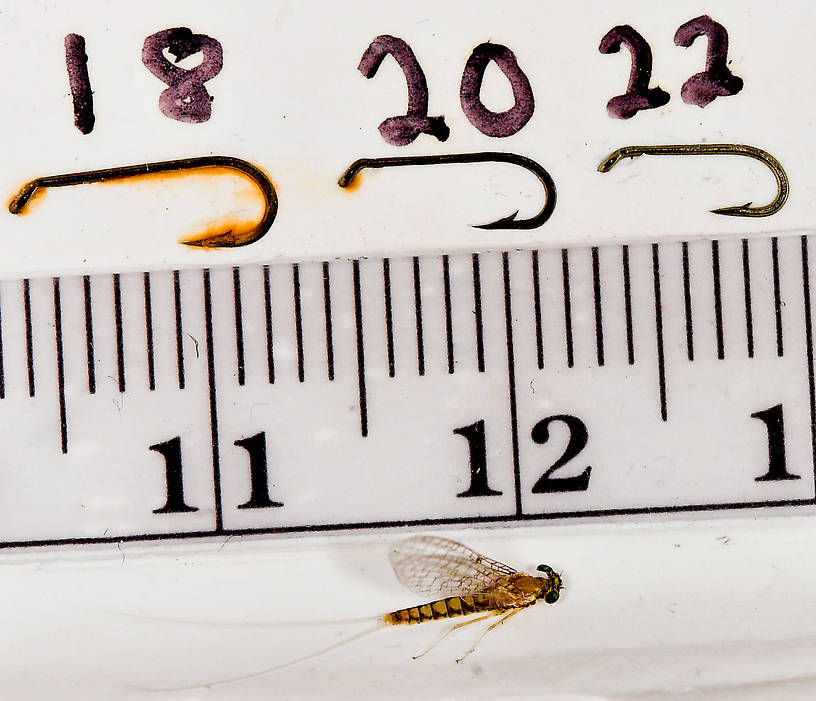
(466, 582)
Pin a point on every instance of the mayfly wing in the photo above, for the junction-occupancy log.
(442, 567)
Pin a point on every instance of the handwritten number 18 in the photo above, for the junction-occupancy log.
(185, 99)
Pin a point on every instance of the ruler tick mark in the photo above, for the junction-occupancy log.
(627, 304)
(179, 329)
(687, 309)
(420, 340)
(120, 341)
(29, 335)
(298, 321)
(389, 320)
(148, 305)
(60, 367)
(718, 315)
(511, 379)
(539, 333)
(809, 347)
(777, 295)
(270, 356)
(749, 317)
(358, 323)
(477, 310)
(327, 309)
(596, 296)
(239, 326)
(89, 334)
(448, 314)
(658, 302)
(565, 274)
(216, 462)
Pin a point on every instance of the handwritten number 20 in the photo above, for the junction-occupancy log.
(404, 129)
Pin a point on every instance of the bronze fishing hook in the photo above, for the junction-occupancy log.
(745, 210)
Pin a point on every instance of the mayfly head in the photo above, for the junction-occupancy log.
(550, 592)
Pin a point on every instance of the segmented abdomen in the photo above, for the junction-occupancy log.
(449, 607)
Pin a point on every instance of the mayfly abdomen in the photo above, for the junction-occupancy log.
(449, 607)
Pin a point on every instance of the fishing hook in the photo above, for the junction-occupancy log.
(227, 239)
(745, 210)
(509, 222)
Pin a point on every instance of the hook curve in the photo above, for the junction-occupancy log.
(224, 239)
(508, 222)
(745, 210)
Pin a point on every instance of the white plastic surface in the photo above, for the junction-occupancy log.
(712, 610)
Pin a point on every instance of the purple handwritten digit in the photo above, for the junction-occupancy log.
(716, 80)
(403, 129)
(186, 99)
(76, 61)
(638, 95)
(499, 124)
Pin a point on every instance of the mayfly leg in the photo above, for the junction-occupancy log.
(487, 630)
(453, 628)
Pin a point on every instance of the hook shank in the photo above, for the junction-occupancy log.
(746, 210)
(508, 222)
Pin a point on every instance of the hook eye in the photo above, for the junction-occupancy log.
(229, 238)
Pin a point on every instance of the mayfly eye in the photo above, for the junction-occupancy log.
(551, 597)
(545, 568)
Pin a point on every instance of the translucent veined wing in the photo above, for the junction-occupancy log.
(438, 566)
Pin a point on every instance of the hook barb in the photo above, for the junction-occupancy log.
(224, 239)
(508, 222)
(745, 210)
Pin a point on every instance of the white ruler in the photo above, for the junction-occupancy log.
(494, 387)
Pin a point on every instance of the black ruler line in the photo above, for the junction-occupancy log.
(60, 367)
(179, 329)
(687, 301)
(29, 335)
(565, 275)
(777, 295)
(148, 305)
(658, 305)
(120, 340)
(511, 379)
(216, 462)
(270, 346)
(627, 304)
(389, 319)
(596, 297)
(358, 323)
(749, 314)
(239, 326)
(89, 334)
(414, 523)
(420, 338)
(539, 331)
(327, 312)
(809, 347)
(718, 315)
(298, 321)
(477, 311)
(446, 286)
